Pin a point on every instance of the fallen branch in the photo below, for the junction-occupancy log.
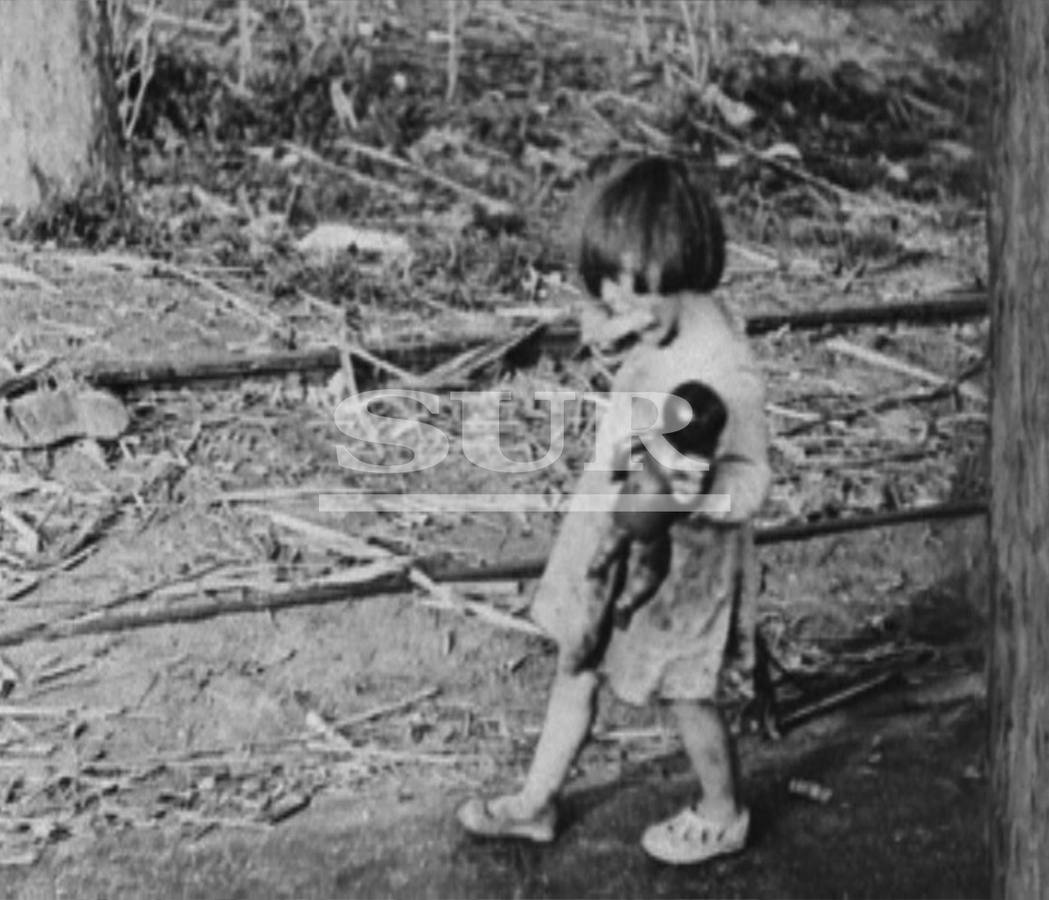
(884, 361)
(13, 274)
(838, 698)
(10, 677)
(523, 569)
(197, 28)
(342, 543)
(492, 207)
(380, 578)
(269, 320)
(560, 339)
(943, 390)
(24, 588)
(942, 310)
(374, 579)
(65, 712)
(841, 193)
(444, 597)
(457, 371)
(387, 709)
(410, 198)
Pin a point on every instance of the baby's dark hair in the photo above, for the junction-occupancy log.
(656, 213)
(702, 432)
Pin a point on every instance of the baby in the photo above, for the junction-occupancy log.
(633, 557)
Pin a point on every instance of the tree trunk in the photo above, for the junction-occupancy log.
(1019, 252)
(57, 110)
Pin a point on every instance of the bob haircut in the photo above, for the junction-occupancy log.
(654, 215)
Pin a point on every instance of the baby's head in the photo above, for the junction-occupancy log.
(691, 421)
(694, 427)
(653, 222)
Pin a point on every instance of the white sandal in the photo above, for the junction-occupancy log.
(482, 818)
(689, 838)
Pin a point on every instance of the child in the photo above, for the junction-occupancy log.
(652, 247)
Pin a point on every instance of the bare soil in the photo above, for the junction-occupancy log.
(320, 751)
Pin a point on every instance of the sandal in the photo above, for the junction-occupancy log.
(479, 817)
(689, 838)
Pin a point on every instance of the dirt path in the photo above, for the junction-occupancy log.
(905, 820)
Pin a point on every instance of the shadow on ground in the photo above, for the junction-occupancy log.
(906, 820)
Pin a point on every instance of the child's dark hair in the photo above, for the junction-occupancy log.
(657, 213)
(701, 433)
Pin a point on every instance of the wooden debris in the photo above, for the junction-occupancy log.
(270, 321)
(442, 597)
(386, 709)
(285, 806)
(195, 28)
(26, 378)
(787, 413)
(875, 358)
(33, 582)
(10, 677)
(65, 712)
(390, 576)
(847, 694)
(17, 275)
(338, 541)
(493, 208)
(323, 729)
(557, 338)
(458, 371)
(167, 472)
(27, 540)
(386, 754)
(364, 580)
(408, 198)
(59, 672)
(271, 495)
(332, 741)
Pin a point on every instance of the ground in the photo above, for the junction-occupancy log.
(907, 770)
(320, 749)
(905, 820)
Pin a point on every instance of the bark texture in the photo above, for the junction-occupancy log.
(56, 98)
(1019, 652)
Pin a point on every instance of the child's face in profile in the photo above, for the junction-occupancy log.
(620, 312)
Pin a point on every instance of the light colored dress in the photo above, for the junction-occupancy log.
(675, 646)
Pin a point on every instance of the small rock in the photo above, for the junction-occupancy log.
(286, 806)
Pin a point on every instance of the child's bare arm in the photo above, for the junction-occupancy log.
(614, 545)
(746, 481)
(741, 469)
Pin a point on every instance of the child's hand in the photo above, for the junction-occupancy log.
(687, 484)
(605, 331)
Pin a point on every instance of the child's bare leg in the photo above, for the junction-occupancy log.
(709, 746)
(530, 814)
(569, 715)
